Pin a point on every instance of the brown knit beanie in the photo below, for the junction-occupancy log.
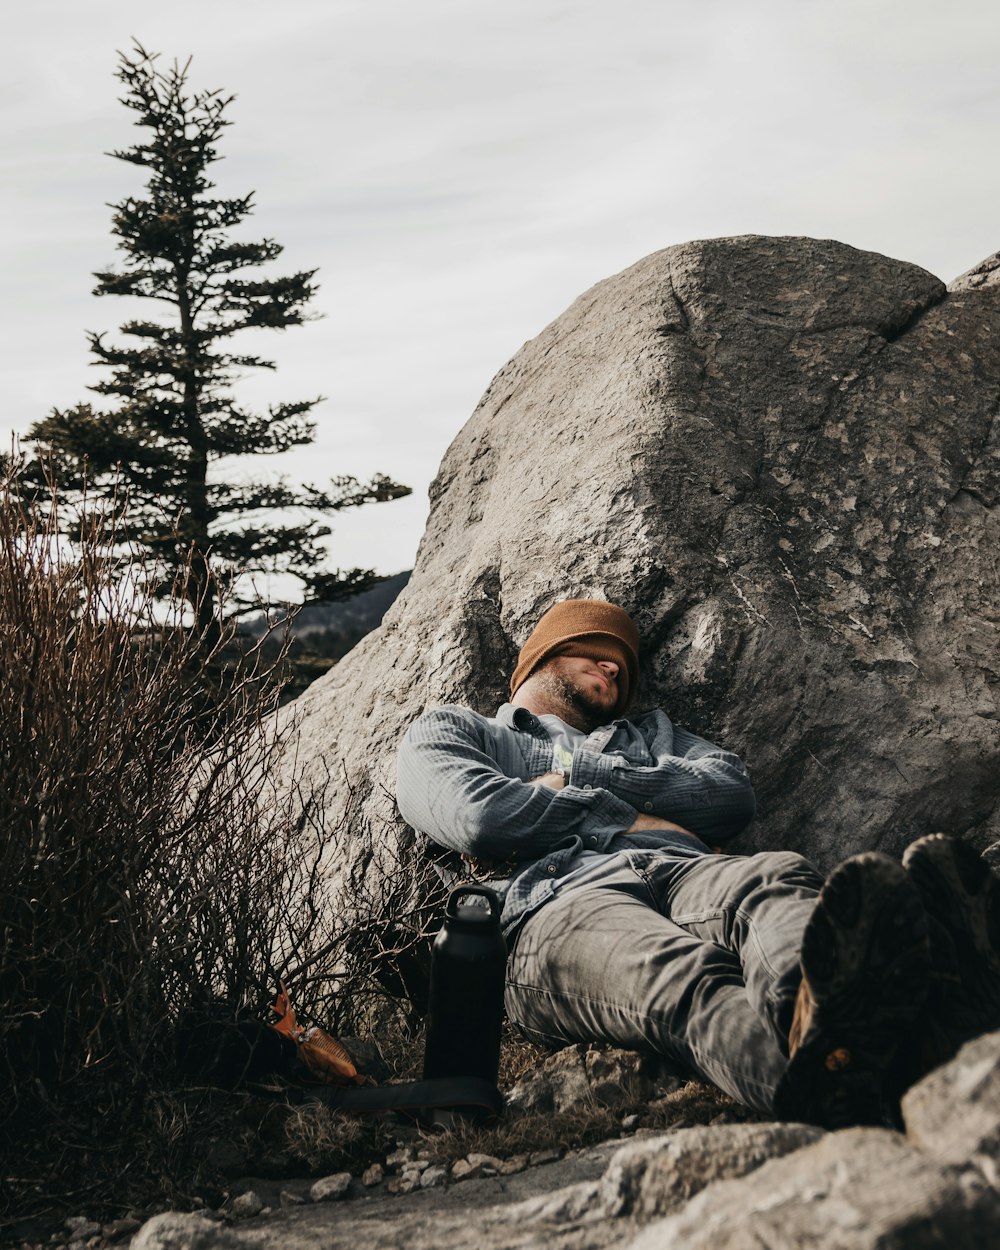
(587, 627)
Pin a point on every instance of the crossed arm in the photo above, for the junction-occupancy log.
(451, 788)
(642, 822)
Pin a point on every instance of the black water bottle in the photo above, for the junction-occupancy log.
(466, 991)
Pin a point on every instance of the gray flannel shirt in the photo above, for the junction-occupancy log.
(462, 780)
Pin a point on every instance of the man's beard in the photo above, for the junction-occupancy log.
(588, 709)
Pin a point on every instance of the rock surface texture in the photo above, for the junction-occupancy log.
(860, 1189)
(954, 1113)
(716, 1187)
(781, 456)
(577, 1075)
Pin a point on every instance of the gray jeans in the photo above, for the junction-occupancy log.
(696, 959)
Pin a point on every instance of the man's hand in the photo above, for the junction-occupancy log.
(554, 781)
(643, 822)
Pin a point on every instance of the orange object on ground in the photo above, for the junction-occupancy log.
(286, 1022)
(325, 1058)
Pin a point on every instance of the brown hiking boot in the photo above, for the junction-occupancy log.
(864, 979)
(962, 898)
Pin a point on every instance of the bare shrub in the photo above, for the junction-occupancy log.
(146, 862)
(383, 955)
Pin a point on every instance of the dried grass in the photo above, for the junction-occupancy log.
(319, 1141)
(146, 863)
(693, 1104)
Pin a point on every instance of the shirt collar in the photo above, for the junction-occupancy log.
(527, 722)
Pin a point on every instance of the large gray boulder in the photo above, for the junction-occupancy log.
(781, 456)
(860, 1189)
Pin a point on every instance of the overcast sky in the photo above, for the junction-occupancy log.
(459, 171)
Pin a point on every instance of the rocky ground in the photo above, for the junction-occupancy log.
(723, 1185)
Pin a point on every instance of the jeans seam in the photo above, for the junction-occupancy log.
(761, 953)
(699, 917)
(643, 875)
(696, 917)
(684, 1048)
(537, 1035)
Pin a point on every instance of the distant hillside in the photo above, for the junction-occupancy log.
(322, 633)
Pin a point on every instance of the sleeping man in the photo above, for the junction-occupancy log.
(629, 924)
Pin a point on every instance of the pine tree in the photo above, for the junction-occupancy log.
(174, 412)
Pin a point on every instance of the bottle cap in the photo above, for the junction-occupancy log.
(473, 904)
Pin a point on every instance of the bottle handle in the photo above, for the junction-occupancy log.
(463, 891)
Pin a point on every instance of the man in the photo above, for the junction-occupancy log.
(626, 924)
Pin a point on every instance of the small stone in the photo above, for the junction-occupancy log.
(184, 1229)
(247, 1205)
(480, 1165)
(80, 1228)
(398, 1158)
(77, 1245)
(516, 1163)
(405, 1184)
(288, 1199)
(372, 1175)
(433, 1176)
(629, 1122)
(485, 1161)
(330, 1188)
(461, 1169)
(544, 1156)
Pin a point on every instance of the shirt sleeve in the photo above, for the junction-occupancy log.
(690, 780)
(451, 789)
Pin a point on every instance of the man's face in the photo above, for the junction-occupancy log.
(588, 687)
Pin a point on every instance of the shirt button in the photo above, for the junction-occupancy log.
(588, 787)
(647, 807)
(550, 867)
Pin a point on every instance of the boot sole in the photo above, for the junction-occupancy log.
(865, 956)
(962, 898)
